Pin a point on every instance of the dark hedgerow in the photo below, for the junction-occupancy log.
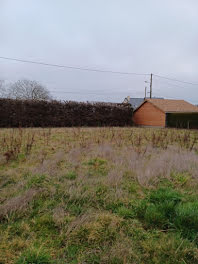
(28, 113)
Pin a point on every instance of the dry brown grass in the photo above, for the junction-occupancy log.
(19, 203)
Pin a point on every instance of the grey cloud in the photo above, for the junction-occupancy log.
(137, 36)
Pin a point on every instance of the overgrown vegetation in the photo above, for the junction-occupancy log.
(98, 195)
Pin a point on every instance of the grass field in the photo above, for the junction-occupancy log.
(98, 195)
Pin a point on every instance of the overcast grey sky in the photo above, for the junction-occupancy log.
(140, 36)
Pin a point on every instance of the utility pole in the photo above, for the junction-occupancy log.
(145, 92)
(151, 85)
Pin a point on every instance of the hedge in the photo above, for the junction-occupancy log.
(19, 113)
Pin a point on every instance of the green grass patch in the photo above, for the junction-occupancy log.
(71, 175)
(34, 256)
(97, 166)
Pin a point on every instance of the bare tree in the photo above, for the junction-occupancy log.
(3, 91)
(28, 90)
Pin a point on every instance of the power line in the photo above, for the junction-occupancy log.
(72, 67)
(93, 70)
(87, 93)
(172, 85)
(165, 82)
(175, 80)
(81, 93)
(175, 98)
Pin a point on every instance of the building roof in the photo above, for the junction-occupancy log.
(135, 102)
(169, 105)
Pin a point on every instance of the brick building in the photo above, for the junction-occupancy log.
(160, 112)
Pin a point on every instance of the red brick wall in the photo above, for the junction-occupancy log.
(149, 115)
